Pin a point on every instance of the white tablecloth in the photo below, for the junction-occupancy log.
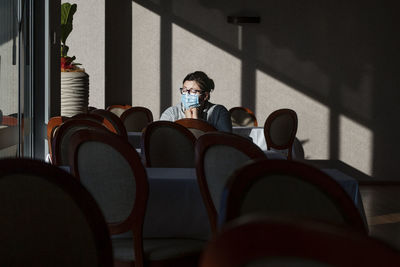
(256, 134)
(176, 208)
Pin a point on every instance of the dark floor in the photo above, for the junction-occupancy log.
(382, 208)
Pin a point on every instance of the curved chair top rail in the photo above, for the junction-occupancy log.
(78, 196)
(269, 130)
(196, 124)
(96, 117)
(63, 129)
(114, 119)
(136, 110)
(244, 111)
(209, 140)
(258, 238)
(243, 178)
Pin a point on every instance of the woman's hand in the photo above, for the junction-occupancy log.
(191, 113)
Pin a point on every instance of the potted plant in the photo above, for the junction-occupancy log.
(74, 80)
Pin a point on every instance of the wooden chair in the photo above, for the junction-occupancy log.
(136, 119)
(114, 119)
(264, 241)
(197, 127)
(168, 145)
(280, 130)
(218, 154)
(96, 118)
(290, 188)
(52, 125)
(112, 171)
(118, 109)
(49, 218)
(61, 140)
(242, 116)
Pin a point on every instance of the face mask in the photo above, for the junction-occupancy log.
(190, 101)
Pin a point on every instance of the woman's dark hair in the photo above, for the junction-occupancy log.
(204, 82)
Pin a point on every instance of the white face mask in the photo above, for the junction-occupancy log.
(190, 101)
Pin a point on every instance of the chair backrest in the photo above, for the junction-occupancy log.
(197, 127)
(280, 129)
(118, 109)
(289, 188)
(113, 173)
(114, 119)
(61, 140)
(218, 154)
(49, 218)
(52, 125)
(242, 116)
(168, 145)
(96, 118)
(136, 119)
(263, 241)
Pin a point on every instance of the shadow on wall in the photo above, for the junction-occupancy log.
(118, 52)
(8, 20)
(352, 43)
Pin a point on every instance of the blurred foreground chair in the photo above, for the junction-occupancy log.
(218, 154)
(197, 127)
(61, 140)
(113, 119)
(49, 218)
(280, 130)
(136, 119)
(263, 241)
(118, 109)
(242, 116)
(168, 145)
(112, 171)
(288, 188)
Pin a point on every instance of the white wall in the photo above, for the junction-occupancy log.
(86, 42)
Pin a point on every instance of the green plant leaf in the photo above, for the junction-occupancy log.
(67, 13)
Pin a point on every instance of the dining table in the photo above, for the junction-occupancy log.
(175, 206)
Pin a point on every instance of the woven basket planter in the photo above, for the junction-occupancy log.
(74, 93)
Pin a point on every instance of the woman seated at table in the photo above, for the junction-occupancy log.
(195, 96)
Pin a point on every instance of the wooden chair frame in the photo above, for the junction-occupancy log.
(202, 145)
(154, 125)
(96, 117)
(63, 128)
(82, 198)
(243, 178)
(267, 127)
(246, 110)
(135, 219)
(52, 124)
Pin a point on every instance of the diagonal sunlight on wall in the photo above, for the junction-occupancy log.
(355, 144)
(313, 117)
(146, 58)
(191, 53)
